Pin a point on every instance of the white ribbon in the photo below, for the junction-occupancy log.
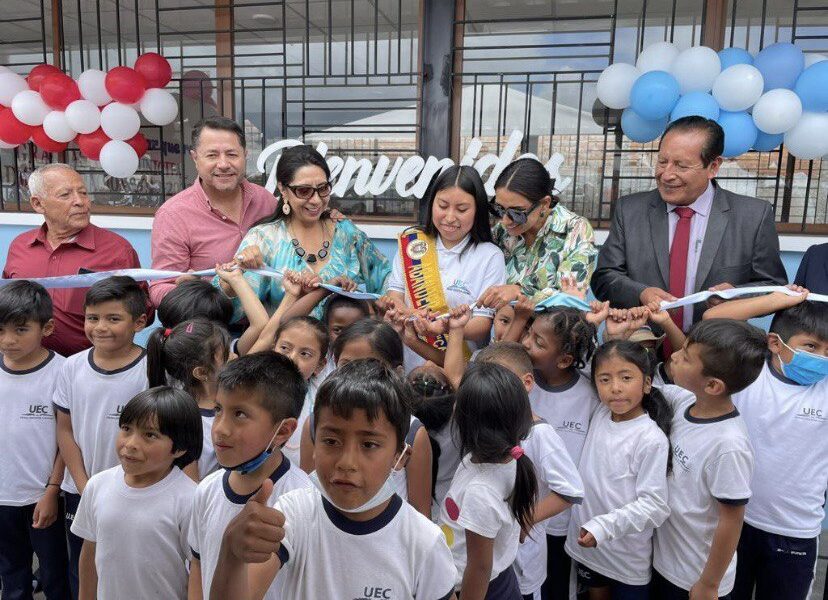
(735, 293)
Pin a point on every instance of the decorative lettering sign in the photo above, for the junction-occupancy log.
(409, 176)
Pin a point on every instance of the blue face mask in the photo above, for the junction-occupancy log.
(254, 463)
(805, 368)
(562, 299)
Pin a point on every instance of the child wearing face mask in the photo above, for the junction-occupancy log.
(350, 536)
(258, 401)
(788, 401)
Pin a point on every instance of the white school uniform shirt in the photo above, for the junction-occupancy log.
(624, 466)
(292, 449)
(448, 441)
(207, 462)
(568, 408)
(140, 534)
(464, 275)
(94, 399)
(788, 427)
(478, 501)
(214, 506)
(397, 554)
(28, 443)
(556, 472)
(712, 463)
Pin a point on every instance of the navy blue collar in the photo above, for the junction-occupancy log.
(347, 525)
(556, 389)
(207, 412)
(235, 498)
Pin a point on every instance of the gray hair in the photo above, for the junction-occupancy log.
(37, 179)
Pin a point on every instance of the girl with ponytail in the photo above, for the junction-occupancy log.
(189, 356)
(624, 466)
(492, 496)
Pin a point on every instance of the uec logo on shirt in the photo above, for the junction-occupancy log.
(373, 593)
(37, 411)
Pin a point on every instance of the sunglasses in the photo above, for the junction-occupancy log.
(519, 216)
(306, 192)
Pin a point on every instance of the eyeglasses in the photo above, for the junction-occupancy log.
(518, 215)
(306, 192)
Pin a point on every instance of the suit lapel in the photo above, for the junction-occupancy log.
(659, 235)
(716, 225)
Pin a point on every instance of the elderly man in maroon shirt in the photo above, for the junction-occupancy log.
(204, 224)
(66, 244)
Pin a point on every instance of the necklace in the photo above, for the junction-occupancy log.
(311, 258)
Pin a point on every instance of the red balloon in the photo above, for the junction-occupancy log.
(139, 143)
(39, 73)
(13, 131)
(155, 69)
(58, 90)
(44, 142)
(90, 144)
(125, 85)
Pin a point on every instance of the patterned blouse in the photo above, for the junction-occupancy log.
(352, 254)
(565, 244)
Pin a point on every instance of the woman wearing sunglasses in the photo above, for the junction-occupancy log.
(542, 240)
(300, 235)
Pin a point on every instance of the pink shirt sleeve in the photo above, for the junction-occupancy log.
(169, 252)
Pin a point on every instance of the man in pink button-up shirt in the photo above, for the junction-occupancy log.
(204, 224)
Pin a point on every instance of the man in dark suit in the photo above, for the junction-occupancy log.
(688, 234)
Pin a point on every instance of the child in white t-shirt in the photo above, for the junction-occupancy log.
(624, 466)
(351, 536)
(134, 517)
(190, 356)
(30, 469)
(93, 387)
(694, 553)
(788, 401)
(493, 493)
(258, 401)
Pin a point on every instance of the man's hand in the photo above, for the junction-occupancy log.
(256, 533)
(654, 293)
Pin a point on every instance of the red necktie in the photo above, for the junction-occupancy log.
(678, 259)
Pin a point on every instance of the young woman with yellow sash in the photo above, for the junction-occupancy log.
(449, 261)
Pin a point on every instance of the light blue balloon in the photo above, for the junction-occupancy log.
(812, 87)
(699, 104)
(639, 129)
(735, 56)
(740, 132)
(765, 142)
(654, 95)
(780, 64)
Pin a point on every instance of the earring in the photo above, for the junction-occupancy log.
(285, 207)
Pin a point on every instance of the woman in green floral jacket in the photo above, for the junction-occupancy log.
(542, 240)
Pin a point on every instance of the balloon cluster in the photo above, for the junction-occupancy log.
(778, 96)
(98, 111)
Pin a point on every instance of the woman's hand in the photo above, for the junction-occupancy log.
(569, 284)
(250, 258)
(498, 296)
(524, 307)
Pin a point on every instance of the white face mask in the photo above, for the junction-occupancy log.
(388, 489)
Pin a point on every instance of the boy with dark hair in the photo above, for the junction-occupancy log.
(258, 402)
(31, 470)
(786, 413)
(710, 483)
(93, 387)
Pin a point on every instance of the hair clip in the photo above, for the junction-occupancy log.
(167, 332)
(516, 452)
(189, 328)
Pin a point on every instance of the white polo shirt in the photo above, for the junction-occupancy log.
(94, 398)
(28, 444)
(788, 427)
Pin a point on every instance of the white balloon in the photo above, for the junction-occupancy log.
(160, 108)
(808, 140)
(92, 85)
(657, 57)
(813, 58)
(29, 108)
(5, 146)
(615, 83)
(83, 116)
(777, 111)
(11, 84)
(119, 121)
(4, 69)
(118, 159)
(738, 87)
(57, 127)
(696, 69)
